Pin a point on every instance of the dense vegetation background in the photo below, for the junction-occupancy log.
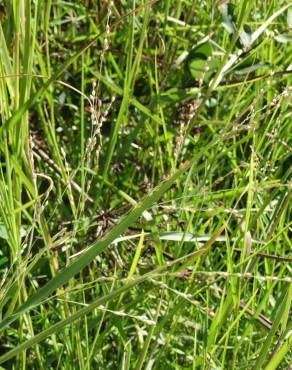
(145, 184)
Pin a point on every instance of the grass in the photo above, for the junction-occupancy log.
(145, 185)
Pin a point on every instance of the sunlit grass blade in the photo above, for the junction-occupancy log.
(82, 261)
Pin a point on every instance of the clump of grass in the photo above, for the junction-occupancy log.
(145, 185)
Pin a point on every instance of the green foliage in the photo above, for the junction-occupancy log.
(145, 185)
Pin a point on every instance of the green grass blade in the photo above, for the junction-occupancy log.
(70, 271)
(106, 298)
(278, 356)
(266, 347)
